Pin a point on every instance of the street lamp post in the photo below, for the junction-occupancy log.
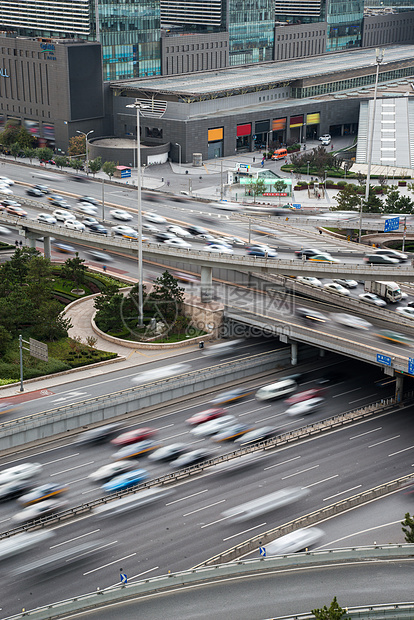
(86, 146)
(379, 56)
(179, 154)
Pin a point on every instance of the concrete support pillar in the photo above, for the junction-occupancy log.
(293, 353)
(32, 242)
(206, 283)
(399, 386)
(321, 352)
(46, 245)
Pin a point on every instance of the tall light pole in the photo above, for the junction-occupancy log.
(86, 146)
(179, 154)
(379, 56)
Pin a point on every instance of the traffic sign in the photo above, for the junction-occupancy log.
(384, 359)
(38, 349)
(392, 223)
(262, 551)
(124, 578)
(411, 365)
(296, 206)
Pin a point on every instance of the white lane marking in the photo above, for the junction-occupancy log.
(5, 520)
(89, 491)
(270, 417)
(254, 410)
(399, 451)
(300, 472)
(374, 430)
(348, 392)
(383, 441)
(244, 531)
(351, 402)
(358, 486)
(177, 435)
(187, 497)
(109, 564)
(70, 396)
(214, 522)
(308, 486)
(370, 529)
(115, 585)
(72, 468)
(203, 508)
(62, 459)
(161, 428)
(78, 480)
(282, 463)
(65, 542)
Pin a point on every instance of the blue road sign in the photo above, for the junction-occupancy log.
(124, 578)
(411, 365)
(383, 359)
(392, 223)
(262, 551)
(296, 206)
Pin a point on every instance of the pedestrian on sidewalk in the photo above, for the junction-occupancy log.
(104, 268)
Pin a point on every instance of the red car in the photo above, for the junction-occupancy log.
(306, 395)
(16, 211)
(138, 434)
(206, 416)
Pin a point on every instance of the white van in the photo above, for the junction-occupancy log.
(281, 388)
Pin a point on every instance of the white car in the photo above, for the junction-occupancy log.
(294, 541)
(178, 243)
(46, 218)
(305, 406)
(177, 230)
(346, 283)
(337, 288)
(106, 472)
(24, 471)
(74, 225)
(160, 373)
(150, 228)
(124, 230)
(349, 320)
(309, 280)
(218, 249)
(407, 312)
(326, 136)
(373, 299)
(120, 214)
(209, 429)
(154, 218)
(41, 509)
(5, 189)
(63, 216)
(226, 206)
(6, 181)
(87, 208)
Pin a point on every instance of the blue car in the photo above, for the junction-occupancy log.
(262, 253)
(124, 481)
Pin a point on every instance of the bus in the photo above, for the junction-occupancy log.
(280, 154)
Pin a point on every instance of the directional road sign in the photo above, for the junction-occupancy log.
(411, 365)
(124, 578)
(296, 205)
(383, 359)
(262, 551)
(392, 223)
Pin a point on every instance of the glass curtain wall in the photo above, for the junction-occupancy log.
(344, 19)
(251, 26)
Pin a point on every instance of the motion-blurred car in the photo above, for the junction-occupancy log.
(197, 230)
(262, 253)
(87, 208)
(141, 448)
(178, 231)
(178, 243)
(17, 211)
(43, 188)
(149, 228)
(265, 504)
(337, 288)
(305, 407)
(5, 190)
(294, 541)
(89, 220)
(395, 337)
(168, 453)
(323, 258)
(58, 201)
(191, 458)
(400, 256)
(93, 201)
(106, 472)
(126, 480)
(407, 312)
(124, 231)
(9, 202)
(161, 373)
(63, 216)
(154, 218)
(309, 280)
(13, 489)
(222, 348)
(309, 314)
(232, 396)
(74, 225)
(6, 406)
(300, 397)
(349, 320)
(206, 416)
(33, 191)
(373, 299)
(41, 493)
(98, 435)
(226, 206)
(258, 434)
(164, 236)
(97, 229)
(24, 471)
(46, 218)
(185, 277)
(279, 389)
(232, 432)
(215, 248)
(307, 252)
(6, 181)
(65, 248)
(346, 283)
(42, 509)
(101, 257)
(120, 214)
(379, 259)
(137, 434)
(4, 230)
(208, 429)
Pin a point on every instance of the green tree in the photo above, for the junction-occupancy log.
(95, 165)
(9, 134)
(51, 323)
(5, 339)
(335, 612)
(396, 203)
(74, 269)
(408, 528)
(373, 204)
(77, 145)
(61, 161)
(348, 199)
(165, 300)
(15, 149)
(44, 154)
(30, 153)
(110, 309)
(39, 278)
(25, 138)
(76, 163)
(256, 187)
(109, 168)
